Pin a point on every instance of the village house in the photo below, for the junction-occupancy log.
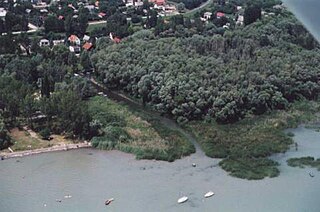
(87, 46)
(240, 20)
(74, 40)
(3, 13)
(75, 49)
(44, 42)
(57, 42)
(207, 15)
(86, 38)
(158, 2)
(135, 3)
(220, 15)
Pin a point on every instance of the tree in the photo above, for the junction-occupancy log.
(2, 26)
(7, 44)
(5, 140)
(23, 40)
(181, 7)
(117, 25)
(151, 18)
(53, 24)
(85, 61)
(251, 14)
(82, 21)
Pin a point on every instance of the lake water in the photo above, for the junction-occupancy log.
(91, 176)
(307, 11)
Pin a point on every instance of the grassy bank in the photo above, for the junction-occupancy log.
(136, 132)
(304, 162)
(247, 144)
(23, 140)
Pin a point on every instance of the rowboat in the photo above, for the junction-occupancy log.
(108, 201)
(182, 199)
(209, 194)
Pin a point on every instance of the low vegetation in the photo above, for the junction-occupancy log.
(125, 130)
(23, 140)
(304, 162)
(247, 144)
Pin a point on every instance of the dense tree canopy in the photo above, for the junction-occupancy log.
(262, 67)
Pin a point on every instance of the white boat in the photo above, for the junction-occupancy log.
(209, 194)
(108, 201)
(182, 199)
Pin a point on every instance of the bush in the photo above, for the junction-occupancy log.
(249, 168)
(45, 133)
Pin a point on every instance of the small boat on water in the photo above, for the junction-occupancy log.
(209, 194)
(108, 201)
(182, 199)
(311, 174)
(67, 196)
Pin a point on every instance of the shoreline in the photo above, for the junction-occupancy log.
(55, 148)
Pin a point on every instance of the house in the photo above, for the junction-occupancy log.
(87, 46)
(207, 15)
(220, 15)
(158, 2)
(86, 38)
(116, 40)
(57, 42)
(3, 13)
(44, 11)
(72, 7)
(74, 39)
(75, 49)
(44, 42)
(226, 26)
(101, 15)
(240, 20)
(90, 8)
(239, 8)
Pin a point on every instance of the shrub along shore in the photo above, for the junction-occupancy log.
(304, 161)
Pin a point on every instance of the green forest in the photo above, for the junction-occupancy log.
(262, 67)
(236, 91)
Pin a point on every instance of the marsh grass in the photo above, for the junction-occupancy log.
(304, 162)
(246, 145)
(133, 131)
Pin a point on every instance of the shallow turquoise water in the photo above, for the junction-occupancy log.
(154, 185)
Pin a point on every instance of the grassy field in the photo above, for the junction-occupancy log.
(134, 132)
(92, 27)
(23, 140)
(247, 144)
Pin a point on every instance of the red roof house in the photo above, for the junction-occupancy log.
(158, 2)
(87, 46)
(220, 14)
(101, 15)
(116, 40)
(74, 39)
